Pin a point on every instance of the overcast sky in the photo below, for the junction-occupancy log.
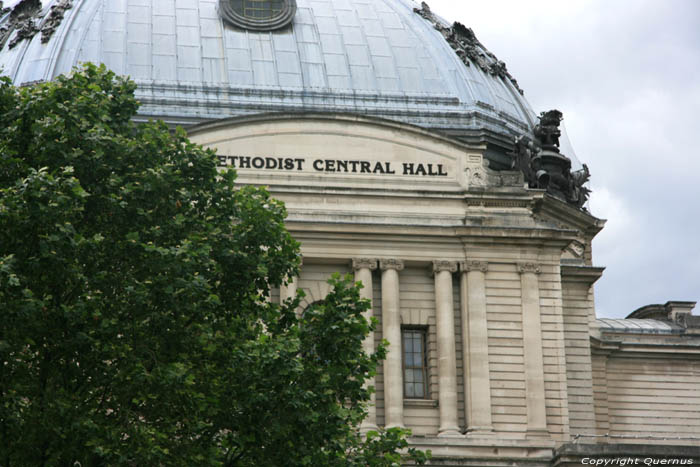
(626, 74)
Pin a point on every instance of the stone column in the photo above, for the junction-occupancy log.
(391, 329)
(532, 350)
(446, 348)
(363, 268)
(475, 348)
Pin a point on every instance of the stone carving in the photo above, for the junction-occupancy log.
(25, 21)
(544, 167)
(547, 130)
(54, 19)
(364, 263)
(522, 156)
(576, 248)
(476, 177)
(471, 265)
(579, 193)
(533, 268)
(385, 264)
(441, 265)
(464, 42)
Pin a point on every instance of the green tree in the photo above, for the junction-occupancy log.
(135, 328)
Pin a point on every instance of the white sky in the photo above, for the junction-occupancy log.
(626, 74)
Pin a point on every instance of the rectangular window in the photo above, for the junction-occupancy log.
(415, 374)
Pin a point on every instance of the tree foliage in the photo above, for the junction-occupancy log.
(134, 284)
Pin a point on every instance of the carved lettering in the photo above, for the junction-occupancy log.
(331, 165)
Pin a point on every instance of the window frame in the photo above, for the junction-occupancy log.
(235, 18)
(423, 330)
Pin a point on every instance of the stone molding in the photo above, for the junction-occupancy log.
(533, 268)
(396, 264)
(442, 265)
(364, 263)
(471, 265)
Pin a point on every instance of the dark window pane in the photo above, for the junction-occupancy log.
(419, 391)
(409, 391)
(414, 361)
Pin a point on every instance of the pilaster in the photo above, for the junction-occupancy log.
(363, 268)
(475, 348)
(446, 347)
(532, 349)
(391, 328)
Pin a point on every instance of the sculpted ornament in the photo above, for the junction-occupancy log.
(545, 167)
(522, 155)
(364, 263)
(547, 130)
(471, 265)
(532, 268)
(25, 21)
(440, 265)
(577, 249)
(467, 46)
(54, 19)
(396, 264)
(476, 177)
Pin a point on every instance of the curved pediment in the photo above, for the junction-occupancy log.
(318, 150)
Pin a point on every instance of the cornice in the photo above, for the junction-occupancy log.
(585, 274)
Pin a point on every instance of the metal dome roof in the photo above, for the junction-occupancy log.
(370, 57)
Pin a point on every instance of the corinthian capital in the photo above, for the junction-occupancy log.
(396, 264)
(468, 266)
(533, 268)
(440, 265)
(364, 263)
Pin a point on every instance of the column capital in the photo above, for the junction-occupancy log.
(364, 263)
(533, 268)
(396, 264)
(471, 265)
(442, 265)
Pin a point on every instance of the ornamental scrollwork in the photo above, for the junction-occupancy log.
(464, 42)
(532, 268)
(395, 264)
(473, 265)
(25, 21)
(364, 263)
(441, 265)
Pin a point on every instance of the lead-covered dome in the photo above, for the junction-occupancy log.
(371, 57)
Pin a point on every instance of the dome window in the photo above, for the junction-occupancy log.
(258, 15)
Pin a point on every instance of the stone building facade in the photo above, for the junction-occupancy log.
(407, 155)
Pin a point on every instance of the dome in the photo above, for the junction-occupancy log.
(381, 58)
